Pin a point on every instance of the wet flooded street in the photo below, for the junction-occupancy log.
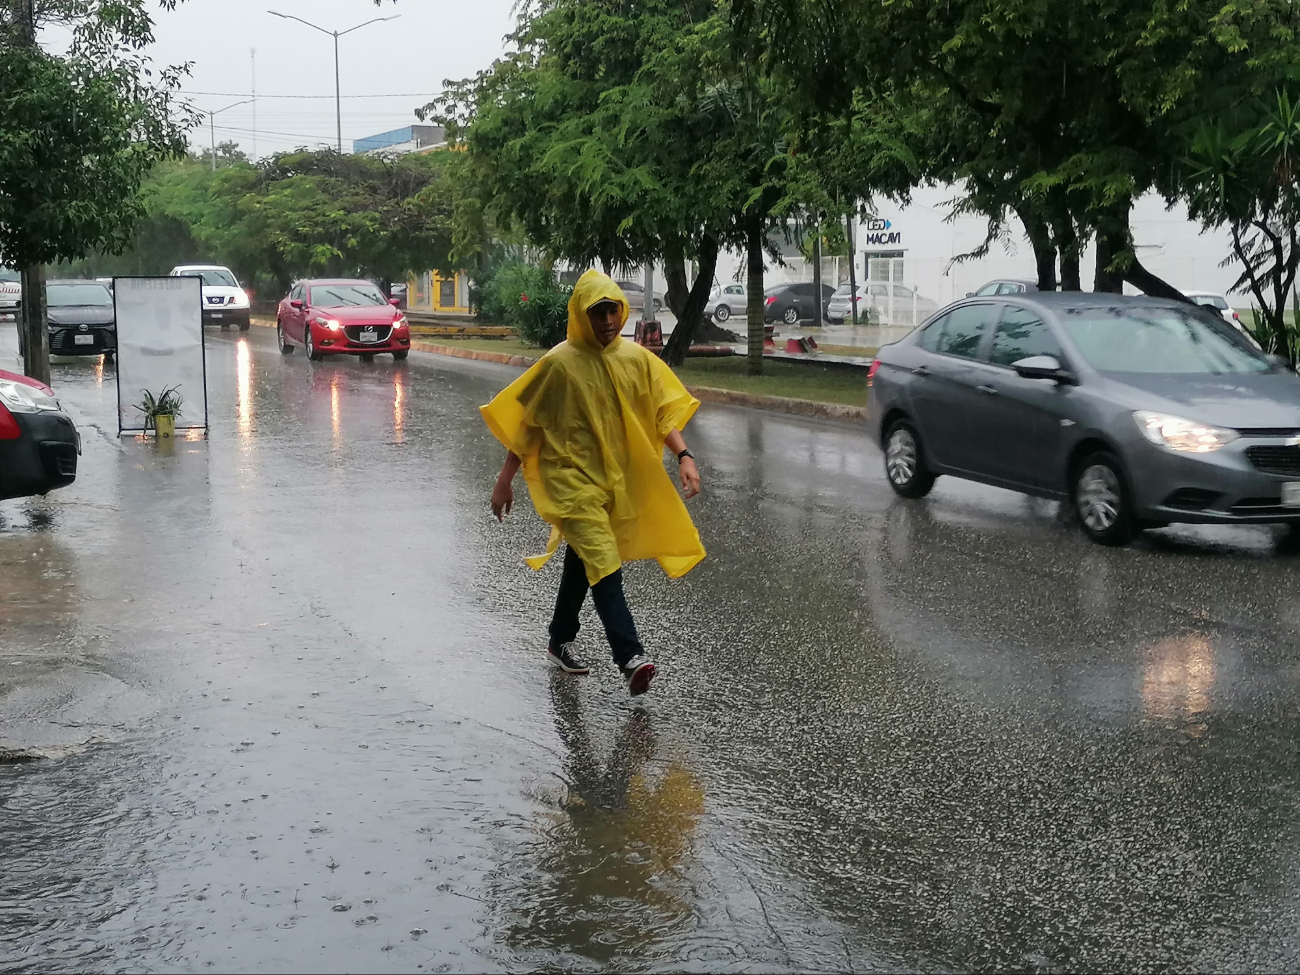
(277, 701)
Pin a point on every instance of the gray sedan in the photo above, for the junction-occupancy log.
(1138, 411)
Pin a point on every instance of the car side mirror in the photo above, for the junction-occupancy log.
(395, 302)
(295, 304)
(1043, 367)
(970, 294)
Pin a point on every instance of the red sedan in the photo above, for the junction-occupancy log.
(341, 317)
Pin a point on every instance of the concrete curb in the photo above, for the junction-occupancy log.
(521, 361)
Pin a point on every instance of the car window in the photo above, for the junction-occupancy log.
(216, 277)
(1167, 341)
(342, 295)
(8, 275)
(90, 293)
(902, 291)
(842, 291)
(1211, 301)
(989, 289)
(1008, 288)
(1021, 334)
(734, 289)
(629, 286)
(963, 330)
(296, 293)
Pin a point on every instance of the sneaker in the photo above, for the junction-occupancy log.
(638, 672)
(568, 661)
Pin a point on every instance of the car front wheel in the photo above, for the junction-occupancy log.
(309, 345)
(721, 313)
(399, 356)
(790, 316)
(1102, 500)
(905, 462)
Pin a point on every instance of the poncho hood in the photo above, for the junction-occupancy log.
(589, 423)
(593, 287)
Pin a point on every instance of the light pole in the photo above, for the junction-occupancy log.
(336, 34)
(212, 129)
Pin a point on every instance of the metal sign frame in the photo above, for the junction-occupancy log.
(205, 426)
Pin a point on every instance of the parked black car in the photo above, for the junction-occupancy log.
(38, 442)
(792, 303)
(82, 319)
(1138, 412)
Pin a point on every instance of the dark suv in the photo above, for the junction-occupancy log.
(793, 303)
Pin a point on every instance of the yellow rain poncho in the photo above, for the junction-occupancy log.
(589, 424)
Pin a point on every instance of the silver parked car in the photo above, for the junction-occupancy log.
(725, 301)
(1137, 411)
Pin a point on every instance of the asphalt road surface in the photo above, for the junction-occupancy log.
(287, 695)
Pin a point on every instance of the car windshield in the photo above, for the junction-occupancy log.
(339, 295)
(842, 291)
(1161, 340)
(8, 275)
(1212, 301)
(217, 277)
(90, 293)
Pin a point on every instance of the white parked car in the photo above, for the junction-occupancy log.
(11, 294)
(1218, 302)
(907, 307)
(224, 301)
(839, 311)
(725, 301)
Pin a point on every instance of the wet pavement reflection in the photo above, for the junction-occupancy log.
(275, 700)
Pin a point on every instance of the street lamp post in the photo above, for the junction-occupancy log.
(212, 128)
(336, 34)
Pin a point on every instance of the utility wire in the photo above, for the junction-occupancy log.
(230, 94)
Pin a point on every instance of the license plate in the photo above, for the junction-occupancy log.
(1291, 494)
(90, 340)
(370, 335)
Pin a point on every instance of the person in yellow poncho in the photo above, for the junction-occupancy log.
(588, 424)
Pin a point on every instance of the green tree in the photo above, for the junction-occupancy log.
(99, 99)
(624, 133)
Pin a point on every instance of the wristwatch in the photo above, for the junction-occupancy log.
(685, 453)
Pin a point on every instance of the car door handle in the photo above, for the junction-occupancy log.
(988, 390)
(921, 371)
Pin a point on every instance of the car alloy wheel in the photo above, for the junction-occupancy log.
(905, 463)
(1099, 497)
(1102, 500)
(309, 344)
(790, 316)
(721, 313)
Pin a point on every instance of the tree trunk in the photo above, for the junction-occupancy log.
(688, 304)
(754, 299)
(819, 321)
(1106, 280)
(1125, 266)
(1067, 245)
(1040, 237)
(35, 325)
(853, 272)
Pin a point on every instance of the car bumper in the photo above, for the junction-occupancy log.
(226, 316)
(1224, 486)
(42, 458)
(63, 340)
(332, 344)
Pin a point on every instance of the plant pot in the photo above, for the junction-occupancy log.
(165, 426)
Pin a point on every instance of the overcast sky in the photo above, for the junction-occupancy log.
(405, 60)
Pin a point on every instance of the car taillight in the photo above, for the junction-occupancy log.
(1236, 317)
(871, 373)
(8, 425)
(769, 300)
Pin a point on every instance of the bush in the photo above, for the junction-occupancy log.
(528, 299)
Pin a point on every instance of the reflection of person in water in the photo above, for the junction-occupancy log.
(611, 873)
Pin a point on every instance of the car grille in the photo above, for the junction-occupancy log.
(353, 332)
(59, 459)
(1269, 432)
(1276, 459)
(62, 341)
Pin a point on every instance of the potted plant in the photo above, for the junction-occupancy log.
(160, 411)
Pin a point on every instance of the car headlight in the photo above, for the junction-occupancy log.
(330, 323)
(21, 398)
(1183, 435)
(400, 323)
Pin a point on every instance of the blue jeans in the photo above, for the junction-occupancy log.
(611, 607)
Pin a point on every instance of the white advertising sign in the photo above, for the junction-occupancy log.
(160, 346)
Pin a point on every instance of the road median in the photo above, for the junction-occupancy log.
(708, 394)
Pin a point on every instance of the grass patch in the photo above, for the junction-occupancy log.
(822, 384)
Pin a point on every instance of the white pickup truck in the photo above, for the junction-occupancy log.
(224, 301)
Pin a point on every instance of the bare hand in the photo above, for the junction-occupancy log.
(690, 475)
(503, 499)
